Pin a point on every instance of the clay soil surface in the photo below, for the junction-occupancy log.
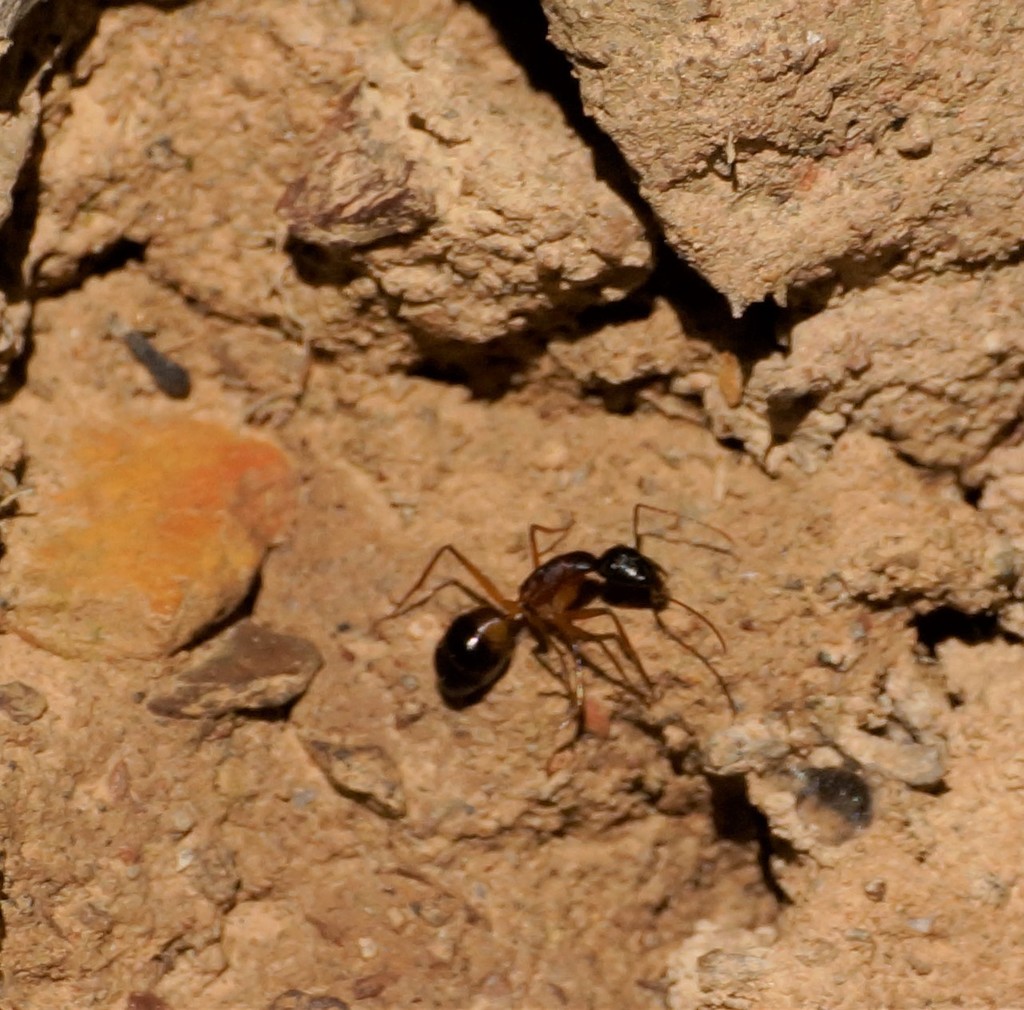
(825, 813)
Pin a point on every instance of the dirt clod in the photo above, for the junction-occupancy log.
(366, 774)
(21, 703)
(256, 668)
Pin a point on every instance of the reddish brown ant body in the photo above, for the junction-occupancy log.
(552, 602)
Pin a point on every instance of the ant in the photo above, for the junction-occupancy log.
(552, 603)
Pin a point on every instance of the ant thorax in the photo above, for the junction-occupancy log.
(557, 582)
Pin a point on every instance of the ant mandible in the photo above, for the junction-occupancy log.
(552, 602)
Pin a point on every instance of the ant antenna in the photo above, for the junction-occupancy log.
(678, 517)
(679, 640)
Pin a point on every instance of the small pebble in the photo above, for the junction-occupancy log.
(551, 456)
(369, 986)
(841, 790)
(875, 889)
(182, 820)
(364, 773)
(256, 668)
(296, 999)
(730, 379)
(303, 797)
(156, 530)
(21, 703)
(170, 378)
(914, 139)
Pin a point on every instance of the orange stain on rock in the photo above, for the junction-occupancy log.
(158, 532)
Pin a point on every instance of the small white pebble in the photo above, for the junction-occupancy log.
(367, 948)
(441, 949)
(182, 820)
(551, 456)
(303, 797)
(425, 627)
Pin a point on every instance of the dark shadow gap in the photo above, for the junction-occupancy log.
(523, 29)
(972, 495)
(244, 609)
(115, 256)
(943, 623)
(489, 370)
(47, 40)
(16, 231)
(787, 412)
(274, 714)
(736, 819)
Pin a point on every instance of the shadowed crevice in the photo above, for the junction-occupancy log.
(943, 623)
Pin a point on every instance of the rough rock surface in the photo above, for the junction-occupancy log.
(167, 172)
(403, 166)
(785, 144)
(33, 38)
(417, 183)
(887, 896)
(907, 551)
(934, 365)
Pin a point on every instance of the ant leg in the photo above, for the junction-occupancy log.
(562, 531)
(573, 634)
(475, 596)
(565, 641)
(707, 620)
(621, 681)
(572, 676)
(490, 589)
(568, 627)
(570, 679)
(576, 684)
(557, 644)
(678, 517)
(680, 641)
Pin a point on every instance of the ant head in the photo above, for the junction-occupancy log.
(625, 568)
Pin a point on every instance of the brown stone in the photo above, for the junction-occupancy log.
(364, 773)
(157, 532)
(21, 703)
(256, 669)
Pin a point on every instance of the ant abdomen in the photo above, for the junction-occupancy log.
(474, 652)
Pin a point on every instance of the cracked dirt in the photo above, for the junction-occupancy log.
(419, 304)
